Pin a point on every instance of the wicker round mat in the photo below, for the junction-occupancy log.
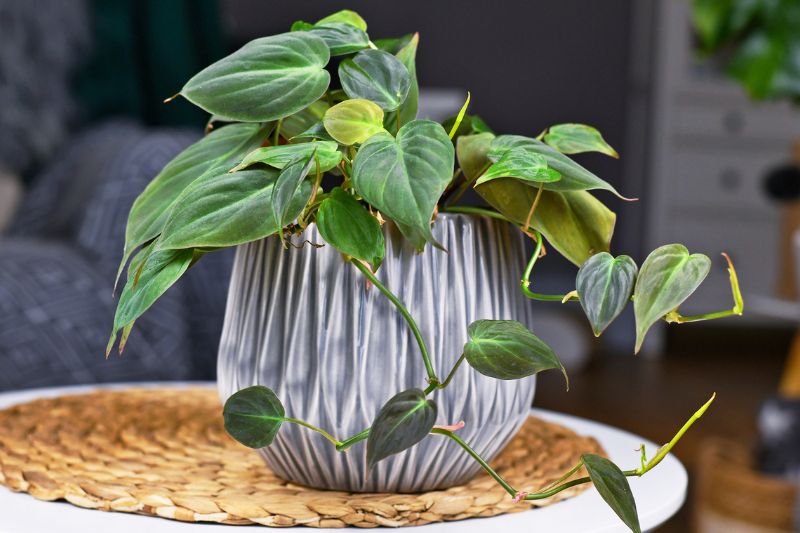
(164, 452)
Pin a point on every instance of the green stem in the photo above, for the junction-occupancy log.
(526, 277)
(432, 379)
(433, 386)
(497, 477)
(346, 443)
(738, 302)
(312, 427)
(277, 133)
(480, 211)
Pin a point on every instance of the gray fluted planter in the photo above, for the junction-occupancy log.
(303, 322)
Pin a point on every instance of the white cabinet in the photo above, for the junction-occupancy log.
(708, 150)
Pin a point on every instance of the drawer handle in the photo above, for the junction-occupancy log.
(730, 180)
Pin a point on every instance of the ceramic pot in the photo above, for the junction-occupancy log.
(303, 322)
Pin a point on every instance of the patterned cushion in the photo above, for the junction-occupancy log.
(55, 318)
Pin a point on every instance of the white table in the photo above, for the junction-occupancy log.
(659, 494)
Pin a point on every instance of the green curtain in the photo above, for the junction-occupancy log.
(143, 52)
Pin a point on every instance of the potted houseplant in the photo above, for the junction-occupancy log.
(361, 286)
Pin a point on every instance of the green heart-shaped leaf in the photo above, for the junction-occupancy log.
(353, 121)
(345, 16)
(605, 284)
(402, 422)
(472, 151)
(327, 154)
(230, 209)
(667, 278)
(408, 109)
(253, 416)
(291, 193)
(576, 139)
(267, 79)
(376, 75)
(404, 177)
(613, 487)
(576, 223)
(152, 272)
(347, 226)
(217, 151)
(523, 165)
(505, 349)
(573, 176)
(341, 38)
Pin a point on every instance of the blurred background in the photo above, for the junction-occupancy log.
(700, 97)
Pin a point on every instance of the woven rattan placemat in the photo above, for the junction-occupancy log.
(164, 452)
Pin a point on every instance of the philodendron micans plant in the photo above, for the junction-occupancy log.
(324, 101)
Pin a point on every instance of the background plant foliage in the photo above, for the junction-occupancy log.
(757, 40)
(279, 124)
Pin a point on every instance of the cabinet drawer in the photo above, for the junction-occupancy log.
(721, 179)
(757, 122)
(752, 245)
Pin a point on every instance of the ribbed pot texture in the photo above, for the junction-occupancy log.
(303, 322)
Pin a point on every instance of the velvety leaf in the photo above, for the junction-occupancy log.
(576, 139)
(523, 165)
(613, 487)
(230, 209)
(573, 176)
(216, 152)
(376, 75)
(345, 16)
(668, 277)
(341, 38)
(505, 349)
(478, 125)
(267, 79)
(347, 226)
(408, 109)
(404, 177)
(402, 422)
(298, 123)
(353, 121)
(605, 284)
(152, 273)
(317, 131)
(472, 151)
(394, 44)
(291, 193)
(253, 416)
(326, 152)
(575, 223)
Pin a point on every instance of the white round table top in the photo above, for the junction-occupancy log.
(659, 494)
